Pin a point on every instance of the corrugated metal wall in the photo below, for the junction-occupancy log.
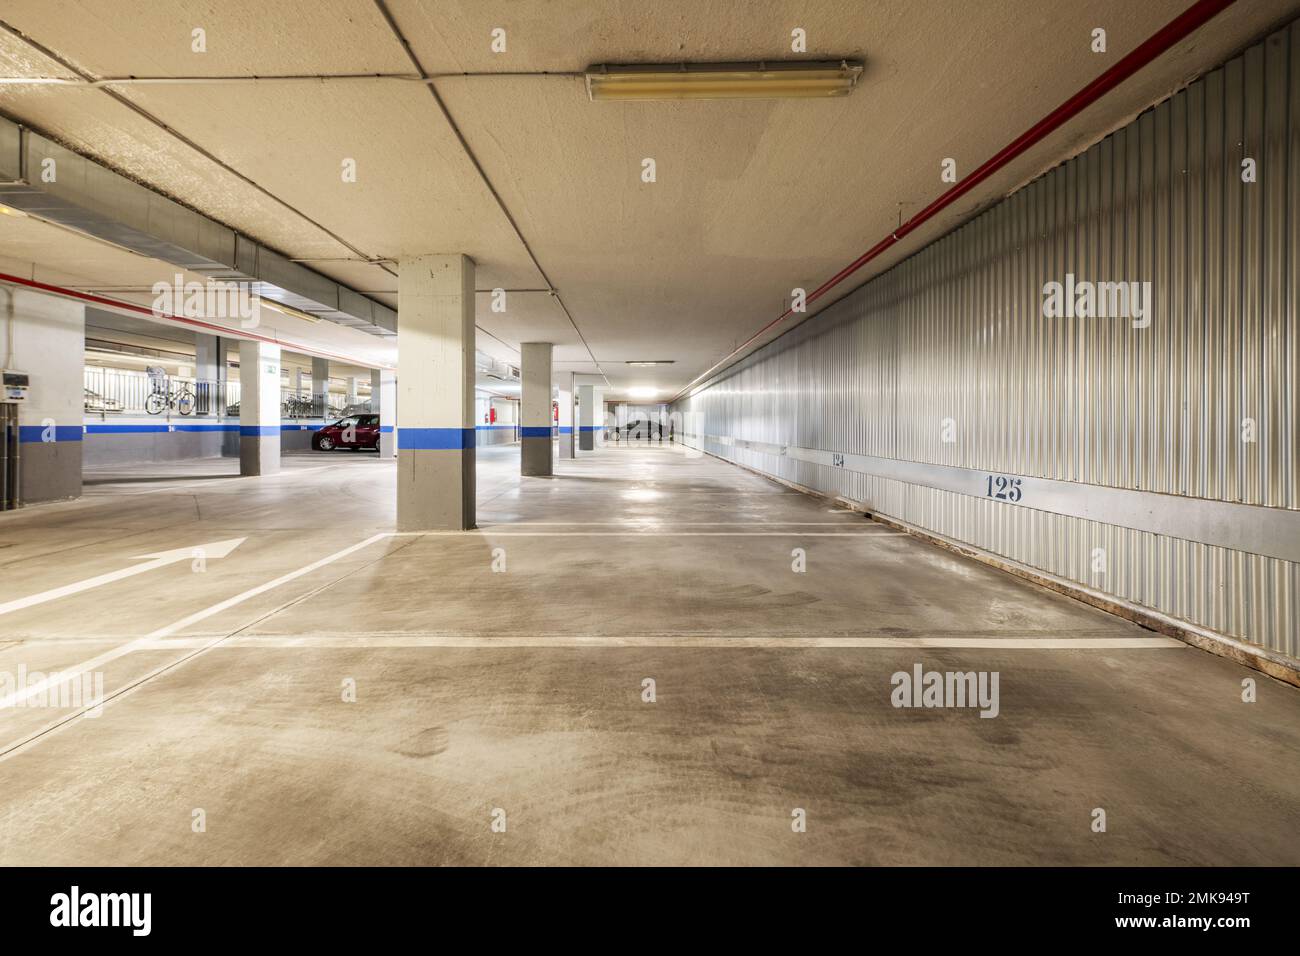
(957, 332)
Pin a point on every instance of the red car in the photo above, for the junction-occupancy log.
(355, 431)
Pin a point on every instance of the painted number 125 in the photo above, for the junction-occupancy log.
(1004, 488)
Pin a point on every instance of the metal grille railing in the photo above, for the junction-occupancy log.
(114, 392)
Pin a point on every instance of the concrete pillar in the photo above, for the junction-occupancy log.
(209, 375)
(320, 387)
(435, 381)
(386, 396)
(211, 395)
(300, 387)
(48, 337)
(536, 454)
(259, 408)
(351, 398)
(376, 385)
(601, 416)
(566, 415)
(586, 418)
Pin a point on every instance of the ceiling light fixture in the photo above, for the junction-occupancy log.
(646, 363)
(711, 81)
(643, 391)
(286, 309)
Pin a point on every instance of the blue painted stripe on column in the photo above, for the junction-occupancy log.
(385, 429)
(566, 429)
(259, 431)
(38, 433)
(537, 431)
(435, 439)
(589, 428)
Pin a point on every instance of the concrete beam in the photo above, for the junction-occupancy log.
(93, 199)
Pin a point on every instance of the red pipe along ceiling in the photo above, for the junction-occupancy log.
(1177, 29)
(198, 323)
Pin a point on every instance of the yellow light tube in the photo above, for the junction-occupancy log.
(723, 81)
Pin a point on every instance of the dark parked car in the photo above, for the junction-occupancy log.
(639, 431)
(354, 431)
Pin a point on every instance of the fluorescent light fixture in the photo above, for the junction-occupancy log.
(643, 391)
(287, 310)
(646, 363)
(713, 81)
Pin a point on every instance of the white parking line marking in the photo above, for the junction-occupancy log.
(213, 549)
(263, 588)
(65, 674)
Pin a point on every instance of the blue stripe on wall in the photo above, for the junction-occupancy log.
(435, 439)
(38, 433)
(537, 431)
(137, 429)
(566, 429)
(259, 431)
(589, 428)
(124, 429)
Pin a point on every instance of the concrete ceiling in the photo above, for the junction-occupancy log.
(753, 198)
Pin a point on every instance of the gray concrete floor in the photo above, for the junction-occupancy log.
(521, 690)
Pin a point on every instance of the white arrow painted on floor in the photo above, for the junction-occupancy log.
(214, 549)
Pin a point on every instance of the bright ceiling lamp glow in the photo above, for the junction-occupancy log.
(643, 391)
(713, 81)
(646, 363)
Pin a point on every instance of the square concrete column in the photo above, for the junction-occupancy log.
(586, 418)
(259, 408)
(320, 387)
(386, 395)
(602, 418)
(566, 415)
(435, 382)
(209, 375)
(48, 335)
(351, 398)
(536, 453)
(376, 383)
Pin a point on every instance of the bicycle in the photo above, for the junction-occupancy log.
(163, 398)
(296, 407)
